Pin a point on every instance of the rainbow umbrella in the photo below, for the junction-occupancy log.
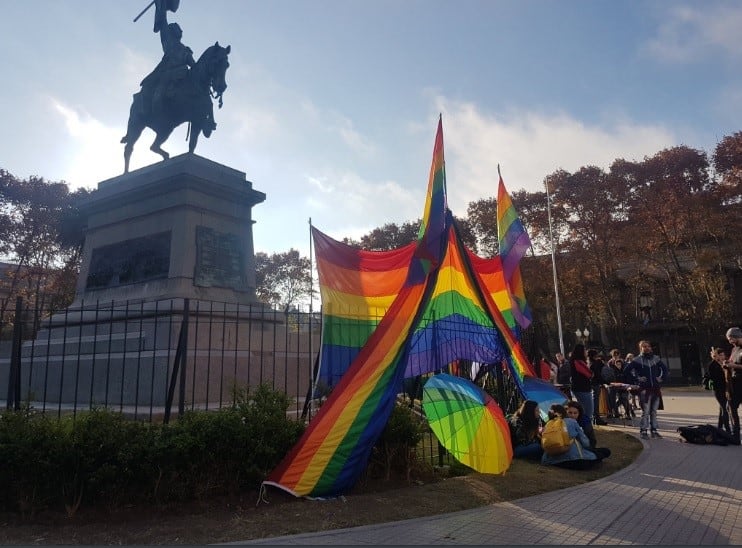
(542, 392)
(468, 422)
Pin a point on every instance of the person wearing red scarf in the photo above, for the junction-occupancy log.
(581, 380)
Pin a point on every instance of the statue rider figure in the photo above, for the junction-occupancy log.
(177, 60)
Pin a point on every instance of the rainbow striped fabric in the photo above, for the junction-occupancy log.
(429, 240)
(514, 242)
(357, 288)
(389, 316)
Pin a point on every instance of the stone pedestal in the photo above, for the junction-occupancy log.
(178, 229)
(124, 356)
(157, 238)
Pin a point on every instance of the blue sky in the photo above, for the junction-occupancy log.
(332, 104)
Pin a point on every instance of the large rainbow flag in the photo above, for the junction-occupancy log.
(357, 288)
(388, 316)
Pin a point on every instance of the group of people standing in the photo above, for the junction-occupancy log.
(588, 373)
(725, 379)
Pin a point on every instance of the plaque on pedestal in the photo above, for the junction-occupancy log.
(177, 229)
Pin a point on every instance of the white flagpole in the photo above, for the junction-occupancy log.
(554, 270)
(311, 318)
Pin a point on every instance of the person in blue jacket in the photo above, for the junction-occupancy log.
(578, 456)
(649, 372)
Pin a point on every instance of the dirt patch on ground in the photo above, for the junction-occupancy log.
(229, 519)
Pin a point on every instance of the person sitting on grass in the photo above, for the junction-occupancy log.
(525, 431)
(574, 411)
(578, 456)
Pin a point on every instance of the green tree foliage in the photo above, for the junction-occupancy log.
(393, 236)
(100, 458)
(282, 279)
(727, 158)
(395, 448)
(662, 227)
(41, 234)
(590, 205)
(482, 216)
(728, 166)
(675, 213)
(390, 236)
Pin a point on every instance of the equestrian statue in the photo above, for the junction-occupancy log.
(178, 90)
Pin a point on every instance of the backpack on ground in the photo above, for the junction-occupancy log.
(555, 439)
(705, 434)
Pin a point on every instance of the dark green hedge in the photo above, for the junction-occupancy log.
(101, 458)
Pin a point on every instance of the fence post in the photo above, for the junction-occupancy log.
(14, 373)
(184, 357)
(503, 398)
(178, 365)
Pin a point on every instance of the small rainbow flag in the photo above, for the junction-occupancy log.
(514, 242)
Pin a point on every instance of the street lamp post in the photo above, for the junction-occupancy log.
(582, 335)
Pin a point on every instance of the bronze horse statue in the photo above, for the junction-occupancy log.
(188, 101)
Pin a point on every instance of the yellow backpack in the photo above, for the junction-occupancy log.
(555, 439)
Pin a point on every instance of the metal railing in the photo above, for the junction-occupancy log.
(145, 359)
(149, 360)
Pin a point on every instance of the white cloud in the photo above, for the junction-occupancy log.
(690, 33)
(529, 146)
(321, 184)
(352, 138)
(251, 124)
(345, 200)
(92, 158)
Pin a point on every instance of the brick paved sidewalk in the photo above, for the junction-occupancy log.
(675, 493)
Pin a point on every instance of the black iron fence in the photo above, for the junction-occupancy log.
(150, 360)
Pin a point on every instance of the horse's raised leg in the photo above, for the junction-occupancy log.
(159, 139)
(134, 131)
